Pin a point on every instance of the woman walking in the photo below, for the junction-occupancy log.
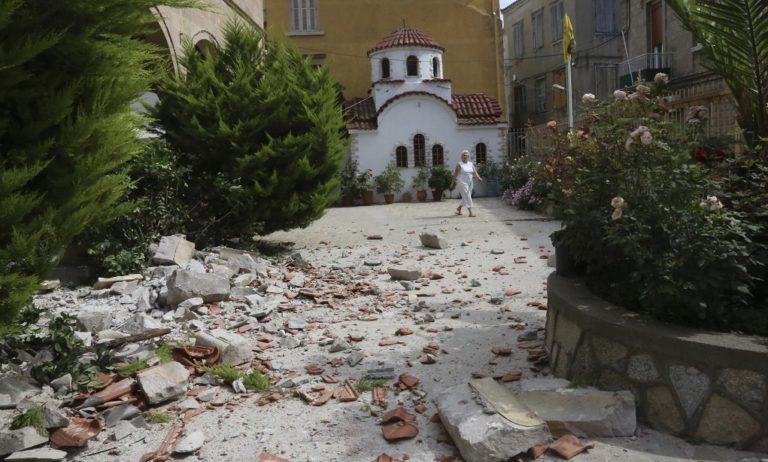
(463, 174)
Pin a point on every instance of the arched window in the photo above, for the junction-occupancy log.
(401, 156)
(419, 151)
(412, 65)
(436, 68)
(481, 153)
(385, 68)
(437, 155)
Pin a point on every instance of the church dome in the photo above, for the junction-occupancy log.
(406, 38)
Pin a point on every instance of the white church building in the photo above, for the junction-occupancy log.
(412, 118)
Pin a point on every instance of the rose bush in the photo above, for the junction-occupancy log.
(646, 221)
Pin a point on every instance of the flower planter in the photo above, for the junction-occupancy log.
(437, 195)
(566, 265)
(389, 198)
(421, 195)
(347, 201)
(367, 197)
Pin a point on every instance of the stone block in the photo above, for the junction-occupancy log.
(483, 437)
(401, 273)
(433, 241)
(183, 285)
(104, 283)
(138, 323)
(234, 348)
(38, 455)
(585, 412)
(17, 388)
(18, 440)
(174, 250)
(724, 422)
(190, 443)
(748, 387)
(661, 411)
(609, 353)
(94, 320)
(691, 386)
(163, 382)
(641, 368)
(53, 418)
(610, 380)
(567, 336)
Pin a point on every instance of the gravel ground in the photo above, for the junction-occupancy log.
(454, 311)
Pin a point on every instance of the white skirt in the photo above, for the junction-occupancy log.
(465, 189)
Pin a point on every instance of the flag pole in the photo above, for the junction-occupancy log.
(569, 85)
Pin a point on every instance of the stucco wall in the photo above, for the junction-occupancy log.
(411, 115)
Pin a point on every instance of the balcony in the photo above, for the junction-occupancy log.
(646, 66)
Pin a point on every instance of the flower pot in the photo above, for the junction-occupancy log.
(389, 198)
(347, 201)
(437, 194)
(406, 197)
(421, 195)
(367, 197)
(492, 188)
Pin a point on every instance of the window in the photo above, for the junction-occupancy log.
(519, 38)
(557, 13)
(606, 80)
(435, 68)
(385, 68)
(519, 95)
(304, 16)
(437, 155)
(481, 153)
(605, 16)
(419, 152)
(559, 97)
(412, 65)
(540, 89)
(401, 156)
(537, 24)
(656, 34)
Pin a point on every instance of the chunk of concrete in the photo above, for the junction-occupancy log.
(138, 323)
(585, 412)
(190, 443)
(481, 436)
(234, 348)
(119, 413)
(163, 382)
(433, 241)
(401, 273)
(18, 440)
(174, 250)
(54, 418)
(123, 430)
(94, 320)
(183, 285)
(17, 388)
(105, 283)
(38, 455)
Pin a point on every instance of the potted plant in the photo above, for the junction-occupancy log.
(491, 172)
(350, 188)
(389, 182)
(420, 183)
(406, 197)
(365, 185)
(440, 180)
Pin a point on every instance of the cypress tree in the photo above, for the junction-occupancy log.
(69, 71)
(261, 131)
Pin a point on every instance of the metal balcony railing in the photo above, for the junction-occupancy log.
(644, 66)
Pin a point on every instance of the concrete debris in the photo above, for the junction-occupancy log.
(38, 455)
(163, 382)
(94, 320)
(183, 285)
(117, 414)
(174, 250)
(105, 283)
(235, 349)
(139, 323)
(401, 273)
(49, 285)
(123, 430)
(18, 440)
(190, 443)
(433, 241)
(53, 418)
(17, 388)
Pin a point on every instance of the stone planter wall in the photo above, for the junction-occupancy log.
(707, 386)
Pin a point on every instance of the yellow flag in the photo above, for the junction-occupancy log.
(569, 42)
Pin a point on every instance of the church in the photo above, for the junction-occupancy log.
(412, 118)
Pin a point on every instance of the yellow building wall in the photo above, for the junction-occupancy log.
(470, 31)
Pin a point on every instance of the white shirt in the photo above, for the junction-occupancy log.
(465, 175)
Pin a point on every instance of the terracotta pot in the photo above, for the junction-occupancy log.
(421, 195)
(367, 197)
(389, 198)
(347, 201)
(437, 194)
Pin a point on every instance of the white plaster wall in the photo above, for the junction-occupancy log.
(397, 71)
(411, 115)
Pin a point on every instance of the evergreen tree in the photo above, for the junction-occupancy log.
(69, 71)
(261, 131)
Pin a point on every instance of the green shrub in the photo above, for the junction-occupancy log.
(261, 131)
(66, 126)
(389, 181)
(440, 178)
(154, 209)
(644, 219)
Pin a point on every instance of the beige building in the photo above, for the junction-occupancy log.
(337, 33)
(202, 26)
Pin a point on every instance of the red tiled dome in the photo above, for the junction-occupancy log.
(405, 38)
